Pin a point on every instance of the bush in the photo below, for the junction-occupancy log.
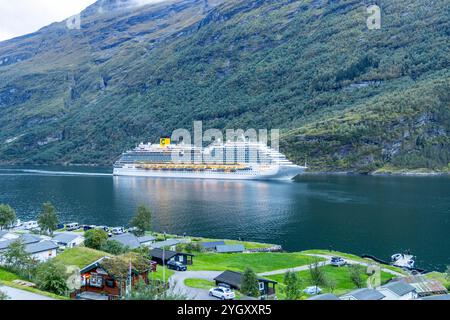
(115, 247)
(95, 239)
(52, 277)
(189, 247)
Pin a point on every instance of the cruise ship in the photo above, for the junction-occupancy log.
(240, 160)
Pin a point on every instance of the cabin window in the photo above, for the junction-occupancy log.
(261, 286)
(110, 283)
(96, 281)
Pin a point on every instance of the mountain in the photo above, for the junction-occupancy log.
(346, 98)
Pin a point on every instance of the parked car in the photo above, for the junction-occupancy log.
(86, 228)
(338, 262)
(117, 231)
(72, 226)
(312, 290)
(222, 293)
(29, 225)
(177, 266)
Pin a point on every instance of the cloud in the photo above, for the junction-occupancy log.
(25, 16)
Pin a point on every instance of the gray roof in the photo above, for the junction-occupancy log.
(29, 238)
(326, 296)
(146, 239)
(400, 288)
(234, 278)
(65, 238)
(40, 247)
(167, 243)
(25, 239)
(212, 245)
(439, 297)
(128, 240)
(366, 294)
(230, 248)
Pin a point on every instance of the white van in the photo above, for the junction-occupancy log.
(72, 226)
(117, 231)
(29, 225)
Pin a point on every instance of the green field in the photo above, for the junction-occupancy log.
(7, 276)
(199, 283)
(259, 262)
(80, 256)
(340, 275)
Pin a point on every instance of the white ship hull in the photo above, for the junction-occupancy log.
(285, 172)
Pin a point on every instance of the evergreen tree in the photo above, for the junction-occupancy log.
(250, 285)
(292, 282)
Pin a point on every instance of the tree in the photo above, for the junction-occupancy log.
(52, 277)
(48, 220)
(447, 273)
(317, 274)
(18, 260)
(142, 221)
(95, 239)
(114, 247)
(3, 296)
(331, 284)
(355, 273)
(250, 284)
(292, 282)
(7, 216)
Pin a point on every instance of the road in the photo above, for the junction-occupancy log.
(177, 281)
(17, 294)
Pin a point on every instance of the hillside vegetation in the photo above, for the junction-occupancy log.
(346, 98)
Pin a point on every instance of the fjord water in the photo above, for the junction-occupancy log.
(358, 214)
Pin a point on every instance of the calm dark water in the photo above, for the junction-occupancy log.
(358, 214)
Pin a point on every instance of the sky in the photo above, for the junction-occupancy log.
(19, 17)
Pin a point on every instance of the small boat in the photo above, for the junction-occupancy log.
(403, 260)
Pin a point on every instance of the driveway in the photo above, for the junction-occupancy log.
(177, 281)
(17, 294)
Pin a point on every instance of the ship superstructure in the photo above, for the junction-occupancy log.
(240, 160)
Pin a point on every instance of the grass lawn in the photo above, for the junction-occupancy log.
(80, 256)
(158, 275)
(340, 275)
(441, 277)
(7, 276)
(199, 283)
(259, 262)
(352, 257)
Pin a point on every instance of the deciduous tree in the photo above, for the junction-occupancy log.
(7, 216)
(95, 239)
(48, 220)
(293, 286)
(142, 221)
(52, 277)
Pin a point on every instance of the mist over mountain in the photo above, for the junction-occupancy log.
(346, 98)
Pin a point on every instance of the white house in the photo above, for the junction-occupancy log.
(42, 251)
(68, 240)
(398, 290)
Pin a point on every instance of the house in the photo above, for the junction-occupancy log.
(234, 280)
(425, 287)
(211, 246)
(68, 240)
(363, 294)
(161, 257)
(326, 296)
(398, 290)
(131, 241)
(230, 248)
(39, 249)
(99, 284)
(170, 243)
(42, 251)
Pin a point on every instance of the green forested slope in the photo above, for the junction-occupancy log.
(346, 98)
